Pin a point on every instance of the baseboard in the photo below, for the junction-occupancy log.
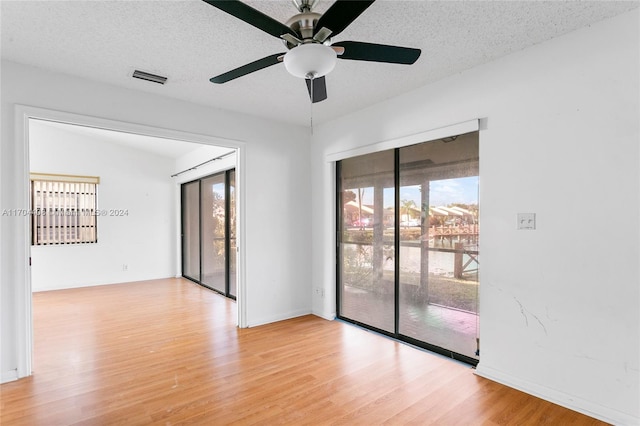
(9, 376)
(330, 317)
(281, 317)
(571, 402)
(100, 284)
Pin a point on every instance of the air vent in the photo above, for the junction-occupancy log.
(149, 77)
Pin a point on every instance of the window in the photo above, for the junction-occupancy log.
(63, 209)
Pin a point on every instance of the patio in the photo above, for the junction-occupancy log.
(436, 324)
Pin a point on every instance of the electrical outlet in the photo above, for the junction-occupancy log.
(527, 221)
(125, 267)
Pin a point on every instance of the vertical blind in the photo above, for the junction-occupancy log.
(63, 209)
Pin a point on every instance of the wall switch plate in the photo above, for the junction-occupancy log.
(527, 221)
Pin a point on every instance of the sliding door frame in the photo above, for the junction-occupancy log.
(183, 231)
(396, 145)
(227, 231)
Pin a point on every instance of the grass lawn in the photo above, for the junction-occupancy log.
(446, 291)
(455, 293)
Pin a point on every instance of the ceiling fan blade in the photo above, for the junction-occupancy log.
(340, 15)
(360, 51)
(247, 69)
(252, 16)
(319, 89)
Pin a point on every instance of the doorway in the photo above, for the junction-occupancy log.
(408, 261)
(23, 298)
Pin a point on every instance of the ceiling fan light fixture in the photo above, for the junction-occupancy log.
(310, 60)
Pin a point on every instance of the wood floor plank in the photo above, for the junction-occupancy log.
(168, 352)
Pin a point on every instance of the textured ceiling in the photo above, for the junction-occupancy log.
(189, 41)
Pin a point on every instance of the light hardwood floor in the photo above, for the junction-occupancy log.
(168, 352)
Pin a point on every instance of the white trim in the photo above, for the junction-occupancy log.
(23, 299)
(429, 135)
(323, 316)
(280, 317)
(571, 402)
(241, 283)
(23, 295)
(9, 376)
(331, 249)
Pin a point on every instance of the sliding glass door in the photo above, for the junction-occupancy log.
(408, 233)
(208, 232)
(232, 250)
(214, 232)
(191, 230)
(367, 238)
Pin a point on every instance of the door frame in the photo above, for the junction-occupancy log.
(227, 229)
(24, 296)
(393, 144)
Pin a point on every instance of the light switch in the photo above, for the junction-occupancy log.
(527, 221)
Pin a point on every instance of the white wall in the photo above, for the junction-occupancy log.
(276, 190)
(559, 306)
(130, 180)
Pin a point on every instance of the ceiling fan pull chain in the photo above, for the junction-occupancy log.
(310, 76)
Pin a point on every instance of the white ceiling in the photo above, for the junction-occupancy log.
(189, 41)
(167, 148)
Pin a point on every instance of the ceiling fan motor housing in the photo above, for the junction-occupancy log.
(303, 24)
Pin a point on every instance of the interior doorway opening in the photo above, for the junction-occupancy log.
(84, 127)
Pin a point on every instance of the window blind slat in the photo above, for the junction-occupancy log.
(56, 207)
(65, 233)
(79, 218)
(83, 217)
(48, 201)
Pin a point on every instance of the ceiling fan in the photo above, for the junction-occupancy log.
(307, 36)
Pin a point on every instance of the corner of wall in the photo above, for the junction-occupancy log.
(9, 376)
(563, 399)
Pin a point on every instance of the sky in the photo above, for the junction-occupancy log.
(441, 192)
